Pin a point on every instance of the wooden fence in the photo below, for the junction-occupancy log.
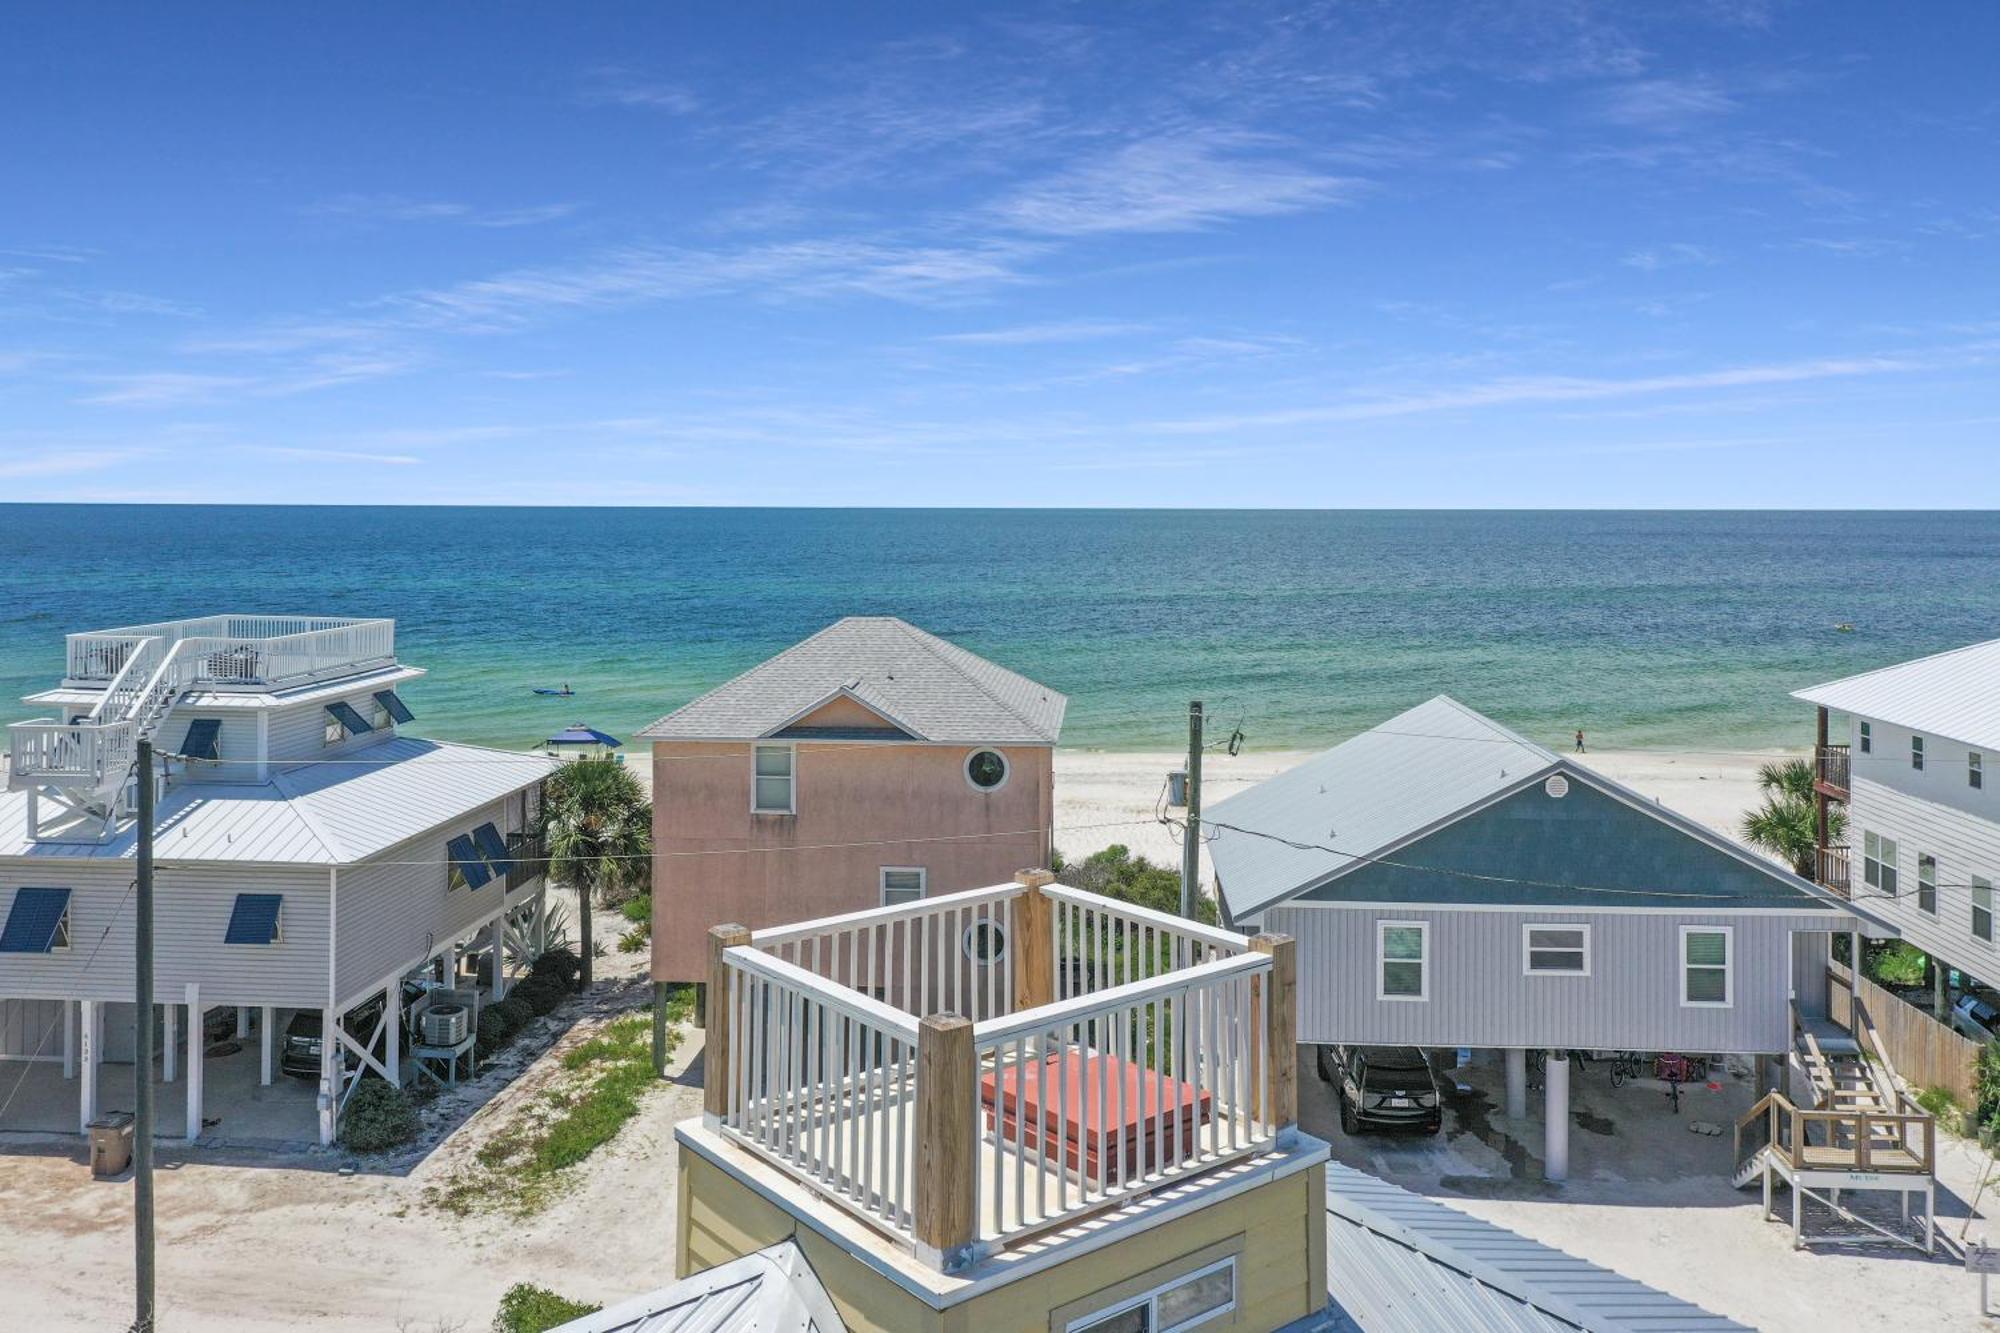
(1924, 1051)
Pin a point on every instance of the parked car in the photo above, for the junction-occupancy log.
(1975, 1017)
(300, 1057)
(1384, 1086)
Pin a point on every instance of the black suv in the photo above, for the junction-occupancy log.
(1384, 1086)
(300, 1057)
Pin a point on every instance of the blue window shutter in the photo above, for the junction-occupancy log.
(393, 702)
(493, 847)
(203, 740)
(32, 920)
(466, 858)
(254, 919)
(343, 712)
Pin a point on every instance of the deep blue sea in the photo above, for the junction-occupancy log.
(1680, 630)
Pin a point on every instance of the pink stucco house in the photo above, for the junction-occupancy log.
(871, 764)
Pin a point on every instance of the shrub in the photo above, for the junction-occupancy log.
(542, 995)
(1899, 963)
(517, 1011)
(633, 940)
(562, 965)
(527, 1308)
(493, 1034)
(1986, 1081)
(638, 909)
(379, 1116)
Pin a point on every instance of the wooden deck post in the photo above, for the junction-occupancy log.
(1279, 1089)
(1034, 942)
(717, 1076)
(947, 1141)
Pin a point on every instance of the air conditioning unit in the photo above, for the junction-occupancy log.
(445, 1024)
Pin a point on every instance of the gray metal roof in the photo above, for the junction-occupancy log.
(1954, 694)
(771, 1291)
(325, 813)
(1383, 787)
(917, 682)
(1400, 1263)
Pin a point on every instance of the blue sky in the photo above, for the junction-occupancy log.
(1353, 254)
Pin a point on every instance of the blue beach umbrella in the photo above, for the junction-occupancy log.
(578, 734)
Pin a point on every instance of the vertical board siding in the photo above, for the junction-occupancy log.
(1924, 1051)
(1964, 844)
(1479, 995)
(191, 912)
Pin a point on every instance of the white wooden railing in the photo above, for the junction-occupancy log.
(959, 1103)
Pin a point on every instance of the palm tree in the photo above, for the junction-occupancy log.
(1787, 823)
(599, 830)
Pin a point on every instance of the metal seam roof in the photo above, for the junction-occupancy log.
(1398, 1261)
(773, 1290)
(1954, 694)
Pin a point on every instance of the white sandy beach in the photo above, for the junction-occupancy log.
(1105, 797)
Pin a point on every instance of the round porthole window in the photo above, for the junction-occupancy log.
(985, 942)
(986, 770)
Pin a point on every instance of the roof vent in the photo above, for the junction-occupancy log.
(1557, 786)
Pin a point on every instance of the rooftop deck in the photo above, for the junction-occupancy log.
(970, 1072)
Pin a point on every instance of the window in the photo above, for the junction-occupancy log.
(37, 922)
(902, 884)
(1878, 863)
(1182, 1303)
(342, 720)
(1705, 965)
(774, 780)
(492, 848)
(1982, 909)
(468, 869)
(985, 942)
(1975, 770)
(1867, 738)
(333, 733)
(391, 703)
(1557, 951)
(986, 770)
(1917, 753)
(1402, 960)
(255, 919)
(1927, 883)
(203, 739)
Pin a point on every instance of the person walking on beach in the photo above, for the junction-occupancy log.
(1579, 740)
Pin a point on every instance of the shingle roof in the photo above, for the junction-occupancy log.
(917, 682)
(328, 813)
(771, 1291)
(1954, 694)
(1400, 1263)
(1416, 770)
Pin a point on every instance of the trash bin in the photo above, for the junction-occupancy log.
(110, 1143)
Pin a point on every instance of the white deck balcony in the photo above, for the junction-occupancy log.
(975, 1071)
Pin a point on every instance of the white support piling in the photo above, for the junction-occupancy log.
(392, 1029)
(194, 1062)
(69, 1039)
(1555, 1130)
(242, 1021)
(329, 1076)
(92, 1052)
(1517, 1083)
(169, 1042)
(266, 1020)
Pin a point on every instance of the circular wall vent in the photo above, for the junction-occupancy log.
(1557, 786)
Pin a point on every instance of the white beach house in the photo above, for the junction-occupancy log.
(310, 859)
(1914, 767)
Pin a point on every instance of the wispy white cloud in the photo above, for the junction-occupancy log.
(1056, 331)
(1673, 254)
(392, 208)
(618, 85)
(1181, 182)
(1662, 105)
(67, 459)
(311, 455)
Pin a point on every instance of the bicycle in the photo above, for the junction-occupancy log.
(1625, 1066)
(1674, 1070)
(1538, 1060)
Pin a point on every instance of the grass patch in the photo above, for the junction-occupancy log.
(598, 1086)
(1943, 1104)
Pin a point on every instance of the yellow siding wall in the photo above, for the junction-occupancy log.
(1278, 1231)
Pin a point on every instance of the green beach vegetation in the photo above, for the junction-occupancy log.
(598, 827)
(1786, 824)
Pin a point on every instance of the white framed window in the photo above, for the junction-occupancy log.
(986, 770)
(1867, 738)
(1878, 862)
(1555, 950)
(1402, 960)
(332, 733)
(1705, 966)
(1982, 909)
(382, 719)
(59, 942)
(1975, 770)
(774, 780)
(1927, 883)
(903, 884)
(1917, 753)
(1186, 1302)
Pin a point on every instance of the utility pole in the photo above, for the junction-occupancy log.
(142, 1046)
(1191, 847)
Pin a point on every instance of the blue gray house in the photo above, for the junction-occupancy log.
(1452, 884)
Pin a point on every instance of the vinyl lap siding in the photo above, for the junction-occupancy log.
(191, 914)
(237, 742)
(1965, 845)
(297, 731)
(1479, 996)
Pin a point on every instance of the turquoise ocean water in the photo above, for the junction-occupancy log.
(1681, 630)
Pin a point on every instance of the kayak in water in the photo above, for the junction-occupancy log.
(564, 692)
